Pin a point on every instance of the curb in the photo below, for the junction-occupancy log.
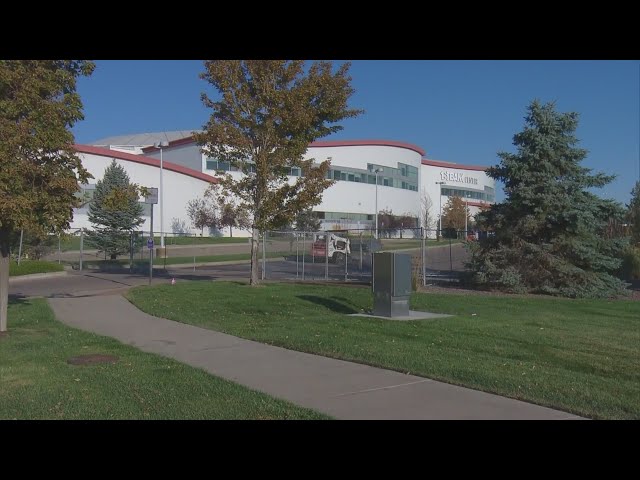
(35, 276)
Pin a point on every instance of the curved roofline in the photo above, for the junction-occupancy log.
(318, 144)
(173, 143)
(438, 163)
(361, 143)
(152, 162)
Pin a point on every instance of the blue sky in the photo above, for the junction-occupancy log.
(459, 111)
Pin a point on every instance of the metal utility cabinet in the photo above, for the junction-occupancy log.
(391, 284)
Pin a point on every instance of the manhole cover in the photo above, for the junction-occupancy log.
(91, 359)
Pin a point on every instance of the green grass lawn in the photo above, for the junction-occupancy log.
(28, 267)
(36, 382)
(581, 356)
(158, 261)
(405, 243)
(72, 243)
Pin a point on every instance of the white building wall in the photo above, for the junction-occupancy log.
(454, 177)
(343, 196)
(179, 189)
(352, 197)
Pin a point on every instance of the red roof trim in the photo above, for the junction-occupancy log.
(437, 163)
(105, 152)
(353, 143)
(173, 143)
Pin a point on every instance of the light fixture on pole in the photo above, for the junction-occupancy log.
(440, 216)
(376, 172)
(160, 145)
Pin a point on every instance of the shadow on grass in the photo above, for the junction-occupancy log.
(18, 299)
(329, 303)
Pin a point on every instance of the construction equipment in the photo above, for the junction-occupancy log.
(339, 247)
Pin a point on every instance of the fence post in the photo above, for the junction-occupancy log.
(346, 258)
(361, 252)
(20, 247)
(326, 256)
(450, 259)
(81, 246)
(297, 249)
(194, 252)
(264, 260)
(304, 238)
(59, 250)
(424, 256)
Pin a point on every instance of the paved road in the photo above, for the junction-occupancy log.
(341, 389)
(92, 282)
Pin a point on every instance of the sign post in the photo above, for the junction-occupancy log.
(150, 247)
(151, 199)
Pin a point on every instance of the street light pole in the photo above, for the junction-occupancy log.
(440, 216)
(160, 145)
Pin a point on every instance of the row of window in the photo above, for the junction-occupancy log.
(215, 165)
(403, 170)
(86, 197)
(371, 179)
(343, 216)
(455, 192)
(405, 176)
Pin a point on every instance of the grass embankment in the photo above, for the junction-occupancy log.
(581, 356)
(72, 243)
(28, 267)
(158, 261)
(38, 383)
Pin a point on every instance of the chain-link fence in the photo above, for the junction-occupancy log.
(347, 255)
(332, 255)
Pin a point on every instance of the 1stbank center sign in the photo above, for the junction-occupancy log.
(457, 178)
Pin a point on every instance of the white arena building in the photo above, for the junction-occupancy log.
(404, 177)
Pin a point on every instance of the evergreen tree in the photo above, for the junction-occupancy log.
(549, 231)
(633, 214)
(114, 212)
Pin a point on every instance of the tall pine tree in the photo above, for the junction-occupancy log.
(114, 212)
(549, 230)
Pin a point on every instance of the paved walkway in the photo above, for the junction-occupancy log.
(341, 389)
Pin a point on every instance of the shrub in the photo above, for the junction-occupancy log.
(630, 269)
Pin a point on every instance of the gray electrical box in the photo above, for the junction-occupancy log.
(391, 284)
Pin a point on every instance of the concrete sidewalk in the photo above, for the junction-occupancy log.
(341, 389)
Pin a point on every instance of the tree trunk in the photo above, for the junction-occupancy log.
(230, 231)
(4, 285)
(255, 242)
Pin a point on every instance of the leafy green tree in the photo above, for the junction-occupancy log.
(306, 221)
(389, 224)
(633, 214)
(268, 113)
(549, 231)
(202, 214)
(227, 212)
(39, 168)
(114, 212)
(455, 214)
